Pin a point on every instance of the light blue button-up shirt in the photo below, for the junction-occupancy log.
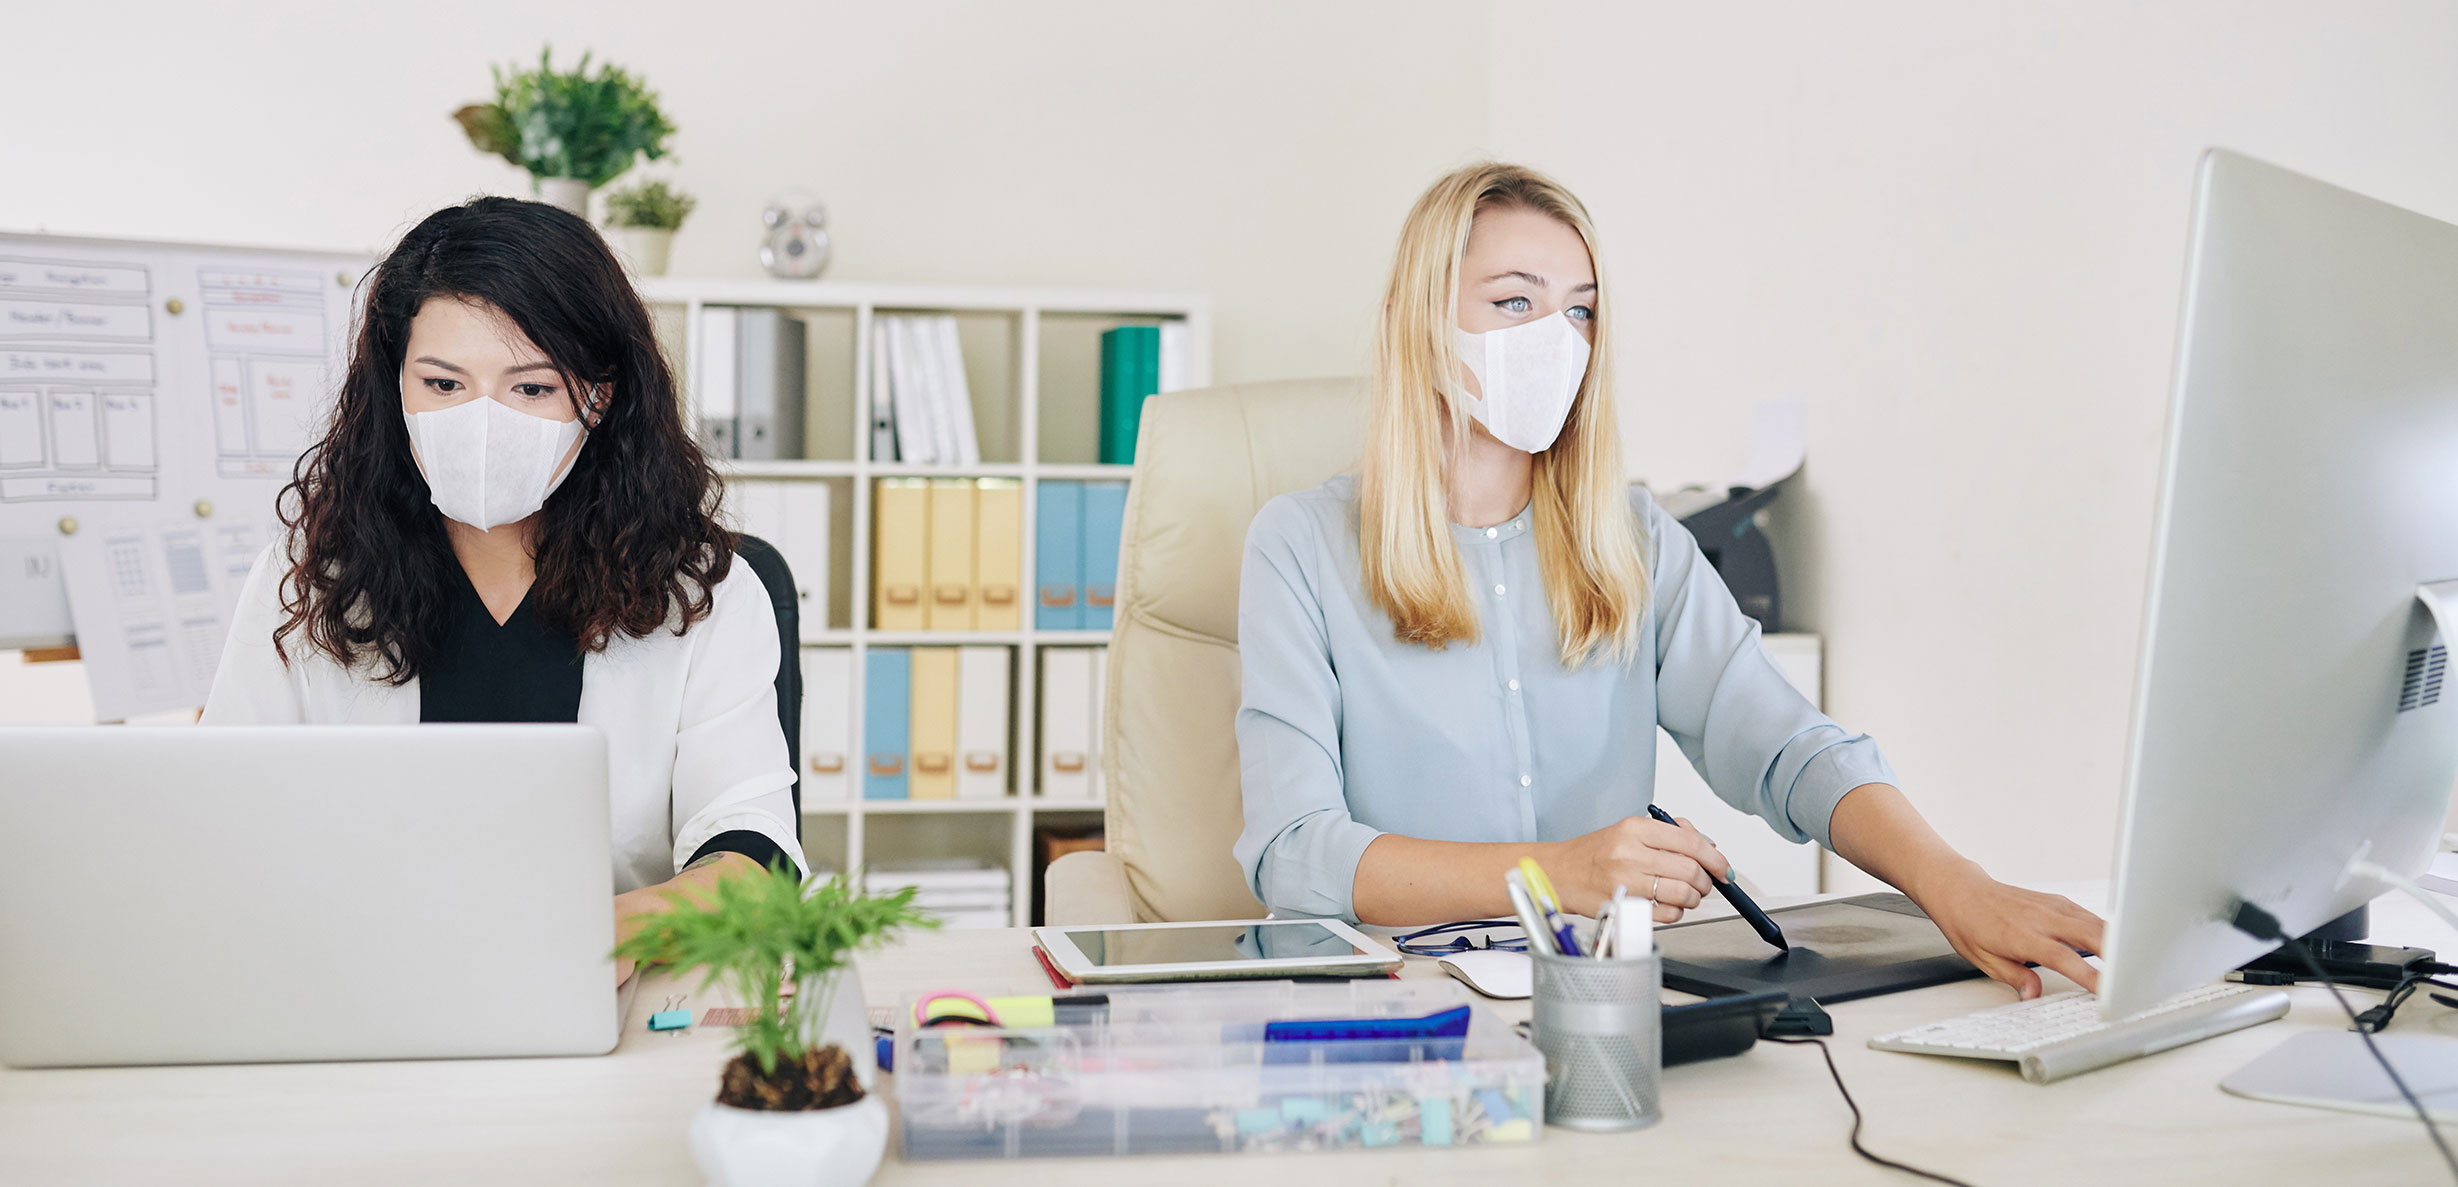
(1345, 733)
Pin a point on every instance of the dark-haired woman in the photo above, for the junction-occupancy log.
(507, 521)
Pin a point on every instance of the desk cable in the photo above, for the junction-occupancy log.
(1849, 1103)
(2262, 925)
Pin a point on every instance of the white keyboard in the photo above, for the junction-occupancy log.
(2062, 1034)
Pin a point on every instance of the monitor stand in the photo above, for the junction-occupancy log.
(2330, 1069)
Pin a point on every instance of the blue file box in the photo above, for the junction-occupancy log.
(1058, 551)
(1105, 514)
(887, 707)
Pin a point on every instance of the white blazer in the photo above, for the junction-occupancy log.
(693, 744)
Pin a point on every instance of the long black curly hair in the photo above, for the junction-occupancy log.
(628, 544)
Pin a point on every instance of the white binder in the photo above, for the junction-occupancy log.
(792, 515)
(827, 725)
(981, 722)
(1100, 687)
(1066, 726)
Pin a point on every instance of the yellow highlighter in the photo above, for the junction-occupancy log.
(1550, 904)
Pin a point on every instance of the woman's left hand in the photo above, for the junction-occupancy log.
(2003, 928)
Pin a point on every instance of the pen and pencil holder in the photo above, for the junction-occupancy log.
(1599, 1025)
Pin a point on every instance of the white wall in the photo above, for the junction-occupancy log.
(1261, 152)
(1959, 231)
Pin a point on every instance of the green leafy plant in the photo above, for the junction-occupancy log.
(649, 204)
(746, 933)
(577, 124)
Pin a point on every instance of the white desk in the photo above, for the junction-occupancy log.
(1765, 1117)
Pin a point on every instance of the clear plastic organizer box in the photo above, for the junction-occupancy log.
(1190, 1069)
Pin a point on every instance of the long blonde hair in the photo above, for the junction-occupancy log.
(1588, 541)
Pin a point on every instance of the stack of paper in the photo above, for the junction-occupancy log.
(960, 891)
(921, 406)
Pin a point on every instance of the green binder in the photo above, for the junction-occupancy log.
(1130, 371)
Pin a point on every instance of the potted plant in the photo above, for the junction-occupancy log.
(573, 131)
(643, 219)
(791, 1107)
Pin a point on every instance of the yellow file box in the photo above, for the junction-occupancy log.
(934, 724)
(951, 555)
(900, 565)
(998, 555)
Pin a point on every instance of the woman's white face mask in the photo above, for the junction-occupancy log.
(1529, 374)
(488, 465)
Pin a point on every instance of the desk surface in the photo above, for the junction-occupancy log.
(1768, 1116)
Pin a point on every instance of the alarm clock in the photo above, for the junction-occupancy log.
(796, 247)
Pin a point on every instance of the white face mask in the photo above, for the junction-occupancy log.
(488, 465)
(1530, 375)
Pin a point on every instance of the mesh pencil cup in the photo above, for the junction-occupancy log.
(1599, 1025)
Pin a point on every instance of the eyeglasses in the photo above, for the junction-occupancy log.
(1443, 939)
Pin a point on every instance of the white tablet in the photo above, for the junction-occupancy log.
(1216, 949)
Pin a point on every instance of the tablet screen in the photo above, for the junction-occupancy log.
(1295, 939)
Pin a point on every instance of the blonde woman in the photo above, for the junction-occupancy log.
(1458, 656)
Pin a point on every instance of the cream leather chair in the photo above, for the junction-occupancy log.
(1205, 462)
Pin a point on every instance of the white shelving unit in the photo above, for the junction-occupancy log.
(1025, 309)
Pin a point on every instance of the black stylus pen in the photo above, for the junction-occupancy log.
(1738, 897)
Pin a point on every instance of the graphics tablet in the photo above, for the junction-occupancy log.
(1221, 949)
(1841, 949)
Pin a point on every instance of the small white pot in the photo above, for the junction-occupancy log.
(570, 193)
(645, 249)
(839, 1147)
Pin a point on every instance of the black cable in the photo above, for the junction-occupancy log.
(2421, 1113)
(2261, 925)
(1849, 1103)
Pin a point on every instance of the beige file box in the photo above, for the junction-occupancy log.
(827, 725)
(934, 724)
(951, 555)
(1066, 727)
(998, 555)
(981, 722)
(900, 569)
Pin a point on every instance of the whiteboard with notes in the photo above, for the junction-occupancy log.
(152, 386)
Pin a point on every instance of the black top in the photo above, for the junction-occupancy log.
(525, 670)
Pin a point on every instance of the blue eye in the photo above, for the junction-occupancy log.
(1513, 304)
(1580, 313)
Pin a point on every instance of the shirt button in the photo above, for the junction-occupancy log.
(1524, 781)
(1490, 533)
(1514, 686)
(1497, 591)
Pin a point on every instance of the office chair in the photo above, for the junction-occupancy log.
(769, 564)
(1205, 462)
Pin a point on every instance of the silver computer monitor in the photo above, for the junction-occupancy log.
(2290, 714)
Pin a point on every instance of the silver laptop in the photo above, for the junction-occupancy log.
(230, 894)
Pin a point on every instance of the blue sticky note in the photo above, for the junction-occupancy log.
(1303, 1110)
(1497, 1110)
(1436, 1120)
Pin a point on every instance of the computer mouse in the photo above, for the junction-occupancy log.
(1492, 972)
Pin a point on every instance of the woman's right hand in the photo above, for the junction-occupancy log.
(1675, 863)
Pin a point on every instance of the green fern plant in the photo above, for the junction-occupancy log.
(751, 927)
(577, 124)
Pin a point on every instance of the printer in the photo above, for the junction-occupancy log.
(1726, 525)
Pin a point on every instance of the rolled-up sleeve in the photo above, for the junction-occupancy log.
(1300, 846)
(730, 767)
(1751, 735)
